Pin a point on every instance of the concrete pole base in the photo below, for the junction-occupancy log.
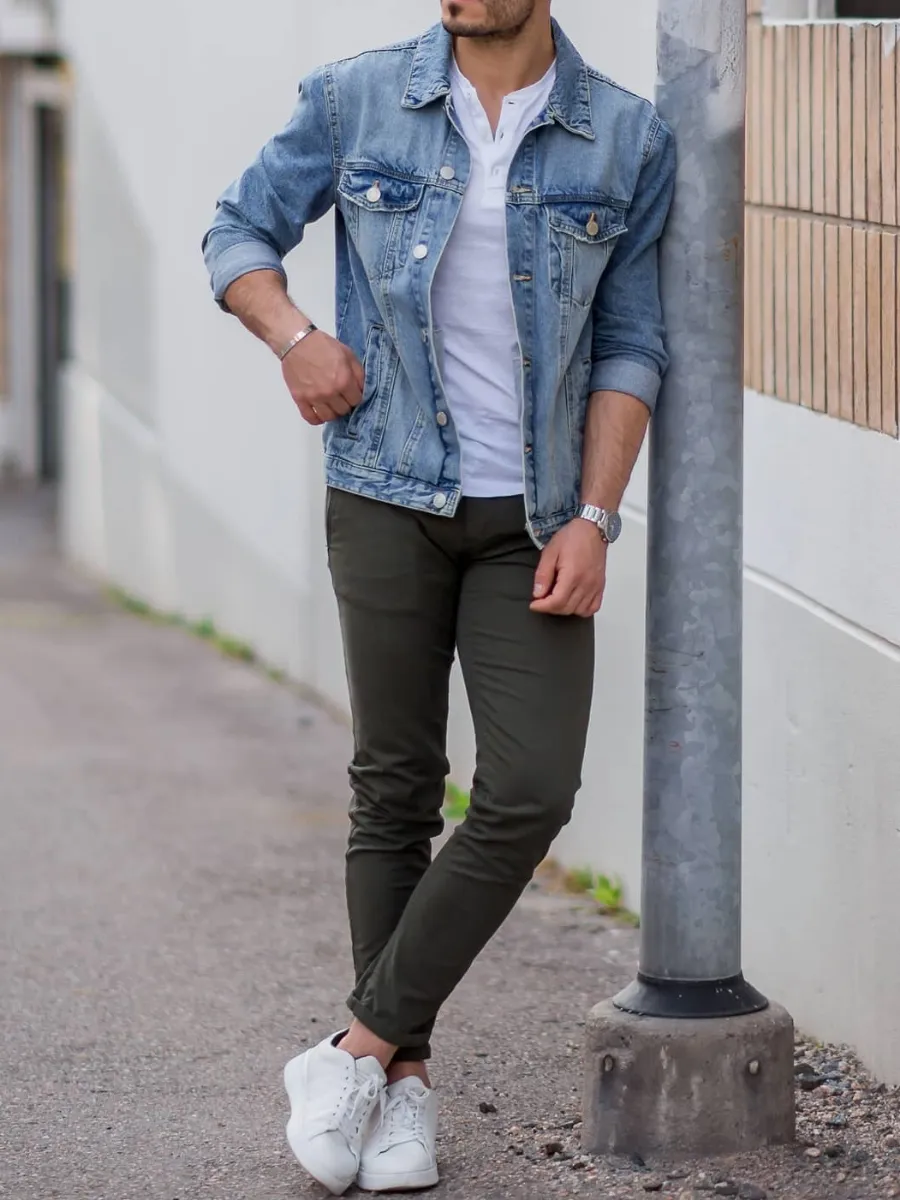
(683, 1087)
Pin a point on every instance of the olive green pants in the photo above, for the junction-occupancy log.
(413, 590)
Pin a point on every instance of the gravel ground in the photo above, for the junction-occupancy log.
(170, 877)
(848, 1147)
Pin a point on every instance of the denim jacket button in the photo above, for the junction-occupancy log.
(440, 500)
(420, 252)
(442, 419)
(447, 173)
(373, 195)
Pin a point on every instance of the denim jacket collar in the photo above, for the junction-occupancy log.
(570, 100)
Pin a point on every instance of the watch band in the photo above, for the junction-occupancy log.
(296, 340)
(608, 523)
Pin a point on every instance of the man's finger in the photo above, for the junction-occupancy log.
(591, 606)
(333, 407)
(351, 397)
(559, 599)
(308, 413)
(575, 603)
(349, 387)
(545, 576)
(359, 374)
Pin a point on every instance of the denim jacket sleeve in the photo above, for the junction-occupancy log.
(263, 215)
(629, 352)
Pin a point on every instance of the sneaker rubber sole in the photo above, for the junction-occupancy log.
(416, 1181)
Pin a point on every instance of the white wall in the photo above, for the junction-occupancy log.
(822, 698)
(191, 481)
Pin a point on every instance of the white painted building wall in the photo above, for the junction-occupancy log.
(191, 481)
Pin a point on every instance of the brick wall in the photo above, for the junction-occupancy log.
(823, 178)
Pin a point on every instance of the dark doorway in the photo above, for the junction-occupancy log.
(52, 295)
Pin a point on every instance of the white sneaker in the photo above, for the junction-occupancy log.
(399, 1153)
(333, 1096)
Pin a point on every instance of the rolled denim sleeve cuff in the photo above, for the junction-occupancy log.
(240, 260)
(628, 376)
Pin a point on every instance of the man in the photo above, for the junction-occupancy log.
(499, 350)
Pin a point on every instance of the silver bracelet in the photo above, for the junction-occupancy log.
(296, 340)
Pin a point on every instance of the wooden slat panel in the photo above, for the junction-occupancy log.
(873, 117)
(873, 325)
(754, 8)
(766, 115)
(832, 320)
(816, 110)
(792, 300)
(817, 323)
(792, 116)
(831, 165)
(804, 311)
(845, 120)
(844, 302)
(888, 130)
(890, 319)
(752, 302)
(860, 327)
(767, 306)
(779, 121)
(860, 121)
(754, 81)
(781, 322)
(804, 130)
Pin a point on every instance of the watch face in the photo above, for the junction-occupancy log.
(613, 527)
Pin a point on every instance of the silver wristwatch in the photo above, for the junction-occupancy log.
(609, 523)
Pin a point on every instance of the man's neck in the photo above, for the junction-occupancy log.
(496, 68)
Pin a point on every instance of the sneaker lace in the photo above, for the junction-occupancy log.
(403, 1119)
(353, 1108)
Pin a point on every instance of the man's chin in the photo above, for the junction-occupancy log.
(464, 29)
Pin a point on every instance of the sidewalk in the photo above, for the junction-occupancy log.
(171, 883)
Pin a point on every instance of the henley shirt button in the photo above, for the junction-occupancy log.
(420, 252)
(442, 419)
(448, 173)
(440, 500)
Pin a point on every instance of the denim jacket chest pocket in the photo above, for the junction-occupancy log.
(380, 212)
(582, 236)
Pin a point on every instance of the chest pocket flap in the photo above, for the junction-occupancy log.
(374, 191)
(591, 223)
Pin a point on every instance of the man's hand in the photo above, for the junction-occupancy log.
(571, 575)
(325, 379)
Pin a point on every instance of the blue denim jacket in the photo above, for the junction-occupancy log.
(588, 195)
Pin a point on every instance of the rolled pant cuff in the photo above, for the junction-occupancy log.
(412, 1048)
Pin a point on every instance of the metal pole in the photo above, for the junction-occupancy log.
(691, 911)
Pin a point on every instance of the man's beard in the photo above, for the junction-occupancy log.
(507, 19)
